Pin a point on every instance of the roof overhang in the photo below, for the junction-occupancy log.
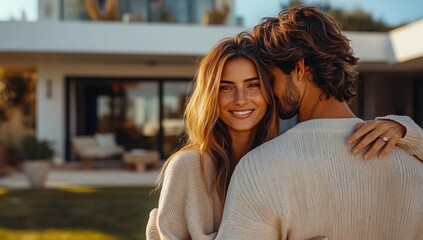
(26, 43)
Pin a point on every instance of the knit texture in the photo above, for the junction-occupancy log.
(306, 183)
(412, 141)
(186, 210)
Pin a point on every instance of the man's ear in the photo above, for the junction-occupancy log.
(300, 70)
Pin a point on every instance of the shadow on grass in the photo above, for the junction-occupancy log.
(120, 212)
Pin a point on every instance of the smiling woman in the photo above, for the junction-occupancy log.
(242, 103)
(232, 98)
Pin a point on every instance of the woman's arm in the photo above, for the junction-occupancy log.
(382, 134)
(412, 142)
(185, 209)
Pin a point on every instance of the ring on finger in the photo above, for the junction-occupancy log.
(385, 138)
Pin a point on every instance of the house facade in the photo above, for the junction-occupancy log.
(131, 76)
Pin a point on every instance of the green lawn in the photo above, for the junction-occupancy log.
(75, 213)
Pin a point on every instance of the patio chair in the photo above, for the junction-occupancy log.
(99, 146)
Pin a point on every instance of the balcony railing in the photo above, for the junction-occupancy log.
(161, 11)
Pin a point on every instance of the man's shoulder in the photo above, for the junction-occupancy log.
(269, 155)
(303, 140)
(281, 144)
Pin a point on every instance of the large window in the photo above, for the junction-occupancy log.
(174, 96)
(180, 11)
(418, 102)
(142, 113)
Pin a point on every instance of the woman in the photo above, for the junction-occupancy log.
(230, 112)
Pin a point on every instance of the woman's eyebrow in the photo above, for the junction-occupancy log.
(226, 81)
(251, 79)
(245, 80)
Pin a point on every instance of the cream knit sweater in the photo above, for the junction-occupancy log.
(306, 183)
(186, 211)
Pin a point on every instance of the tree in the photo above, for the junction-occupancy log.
(17, 107)
(351, 20)
(358, 20)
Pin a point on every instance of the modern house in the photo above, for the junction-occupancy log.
(131, 76)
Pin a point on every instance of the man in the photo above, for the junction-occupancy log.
(306, 183)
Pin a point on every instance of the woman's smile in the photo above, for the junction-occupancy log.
(242, 113)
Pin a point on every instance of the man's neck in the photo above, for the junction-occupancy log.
(315, 108)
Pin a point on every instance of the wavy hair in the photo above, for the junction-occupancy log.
(306, 33)
(205, 131)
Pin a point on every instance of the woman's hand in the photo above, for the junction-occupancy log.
(380, 135)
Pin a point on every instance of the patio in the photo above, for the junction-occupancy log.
(105, 174)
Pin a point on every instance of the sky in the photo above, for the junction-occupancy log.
(393, 12)
(13, 9)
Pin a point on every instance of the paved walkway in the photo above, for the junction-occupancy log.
(111, 176)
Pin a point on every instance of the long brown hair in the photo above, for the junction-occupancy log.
(205, 132)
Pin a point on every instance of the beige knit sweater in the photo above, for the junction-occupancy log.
(186, 211)
(306, 183)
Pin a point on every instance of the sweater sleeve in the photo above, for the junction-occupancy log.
(185, 210)
(152, 233)
(412, 142)
(243, 216)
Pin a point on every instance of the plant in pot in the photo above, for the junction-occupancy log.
(36, 155)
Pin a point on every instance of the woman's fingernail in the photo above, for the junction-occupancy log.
(355, 151)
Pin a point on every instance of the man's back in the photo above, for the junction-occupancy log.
(306, 183)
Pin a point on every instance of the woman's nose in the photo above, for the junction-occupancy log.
(240, 97)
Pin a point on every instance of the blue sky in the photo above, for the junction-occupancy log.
(13, 9)
(391, 11)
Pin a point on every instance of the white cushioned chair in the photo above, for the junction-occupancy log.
(99, 146)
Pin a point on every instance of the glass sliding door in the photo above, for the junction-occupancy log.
(140, 126)
(174, 97)
(142, 113)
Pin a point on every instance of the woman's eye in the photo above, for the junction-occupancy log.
(224, 88)
(254, 85)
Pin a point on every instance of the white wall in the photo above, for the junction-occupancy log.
(371, 46)
(50, 111)
(407, 41)
(111, 38)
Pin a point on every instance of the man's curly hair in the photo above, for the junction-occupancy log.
(306, 33)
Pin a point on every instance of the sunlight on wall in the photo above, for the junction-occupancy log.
(76, 189)
(8, 234)
(3, 191)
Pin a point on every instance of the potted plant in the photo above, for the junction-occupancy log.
(36, 155)
(216, 16)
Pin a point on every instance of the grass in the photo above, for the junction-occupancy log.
(75, 213)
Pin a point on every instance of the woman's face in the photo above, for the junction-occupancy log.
(241, 101)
